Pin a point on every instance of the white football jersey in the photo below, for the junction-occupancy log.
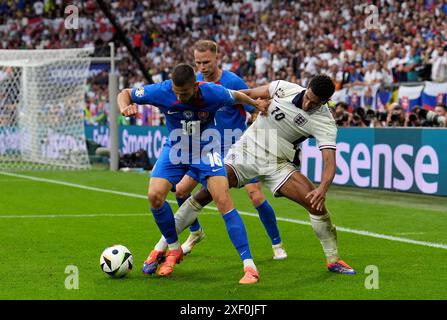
(291, 124)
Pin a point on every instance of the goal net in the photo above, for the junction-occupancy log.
(41, 109)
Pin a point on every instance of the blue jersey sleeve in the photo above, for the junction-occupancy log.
(147, 94)
(239, 84)
(223, 95)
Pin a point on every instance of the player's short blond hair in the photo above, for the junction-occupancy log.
(206, 45)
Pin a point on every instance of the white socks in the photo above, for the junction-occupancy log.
(325, 231)
(174, 246)
(249, 263)
(184, 217)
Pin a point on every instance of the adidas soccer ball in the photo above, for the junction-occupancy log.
(116, 261)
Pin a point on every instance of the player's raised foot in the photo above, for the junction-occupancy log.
(193, 239)
(250, 276)
(155, 258)
(279, 253)
(340, 267)
(172, 258)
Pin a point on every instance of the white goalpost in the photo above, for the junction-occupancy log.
(41, 109)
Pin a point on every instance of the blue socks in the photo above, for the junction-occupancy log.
(195, 226)
(164, 217)
(267, 216)
(180, 201)
(238, 235)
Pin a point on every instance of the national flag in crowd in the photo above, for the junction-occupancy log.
(434, 93)
(382, 99)
(409, 97)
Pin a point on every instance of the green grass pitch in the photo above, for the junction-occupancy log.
(44, 227)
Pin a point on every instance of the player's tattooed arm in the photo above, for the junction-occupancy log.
(242, 98)
(259, 92)
(318, 195)
(125, 104)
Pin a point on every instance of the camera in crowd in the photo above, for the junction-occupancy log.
(426, 118)
(381, 116)
(341, 114)
(397, 116)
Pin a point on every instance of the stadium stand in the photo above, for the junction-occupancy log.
(259, 40)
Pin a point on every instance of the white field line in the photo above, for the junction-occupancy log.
(133, 195)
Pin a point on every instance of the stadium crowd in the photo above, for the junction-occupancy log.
(258, 40)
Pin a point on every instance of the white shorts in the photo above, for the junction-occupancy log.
(271, 171)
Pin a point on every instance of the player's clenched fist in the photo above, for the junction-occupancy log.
(262, 105)
(130, 111)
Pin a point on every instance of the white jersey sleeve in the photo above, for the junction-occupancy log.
(324, 129)
(274, 85)
(281, 89)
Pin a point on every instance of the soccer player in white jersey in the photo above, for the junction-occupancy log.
(295, 114)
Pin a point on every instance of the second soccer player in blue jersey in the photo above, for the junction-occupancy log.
(231, 123)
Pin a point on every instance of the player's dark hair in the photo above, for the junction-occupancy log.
(322, 86)
(183, 74)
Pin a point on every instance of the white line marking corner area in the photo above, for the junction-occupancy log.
(133, 195)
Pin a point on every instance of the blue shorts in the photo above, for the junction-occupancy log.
(164, 168)
(224, 151)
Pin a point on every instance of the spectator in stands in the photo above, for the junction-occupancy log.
(441, 110)
(412, 65)
(373, 74)
(439, 65)
(342, 117)
(396, 116)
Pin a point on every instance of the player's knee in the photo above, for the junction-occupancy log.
(156, 199)
(257, 198)
(223, 203)
(181, 193)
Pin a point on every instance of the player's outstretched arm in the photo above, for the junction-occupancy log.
(242, 98)
(125, 104)
(318, 196)
(259, 92)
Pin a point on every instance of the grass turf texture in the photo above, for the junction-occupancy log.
(35, 251)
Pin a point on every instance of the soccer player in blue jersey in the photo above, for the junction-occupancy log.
(190, 108)
(227, 118)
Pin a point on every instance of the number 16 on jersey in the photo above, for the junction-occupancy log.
(190, 127)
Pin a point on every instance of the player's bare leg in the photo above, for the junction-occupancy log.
(268, 218)
(296, 188)
(182, 191)
(164, 217)
(218, 187)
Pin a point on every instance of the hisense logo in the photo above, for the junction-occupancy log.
(401, 168)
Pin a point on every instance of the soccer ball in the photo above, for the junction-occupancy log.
(116, 261)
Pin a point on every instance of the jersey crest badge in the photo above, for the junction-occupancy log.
(188, 114)
(203, 115)
(139, 92)
(300, 120)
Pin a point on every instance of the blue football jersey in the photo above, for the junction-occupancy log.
(230, 117)
(188, 119)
